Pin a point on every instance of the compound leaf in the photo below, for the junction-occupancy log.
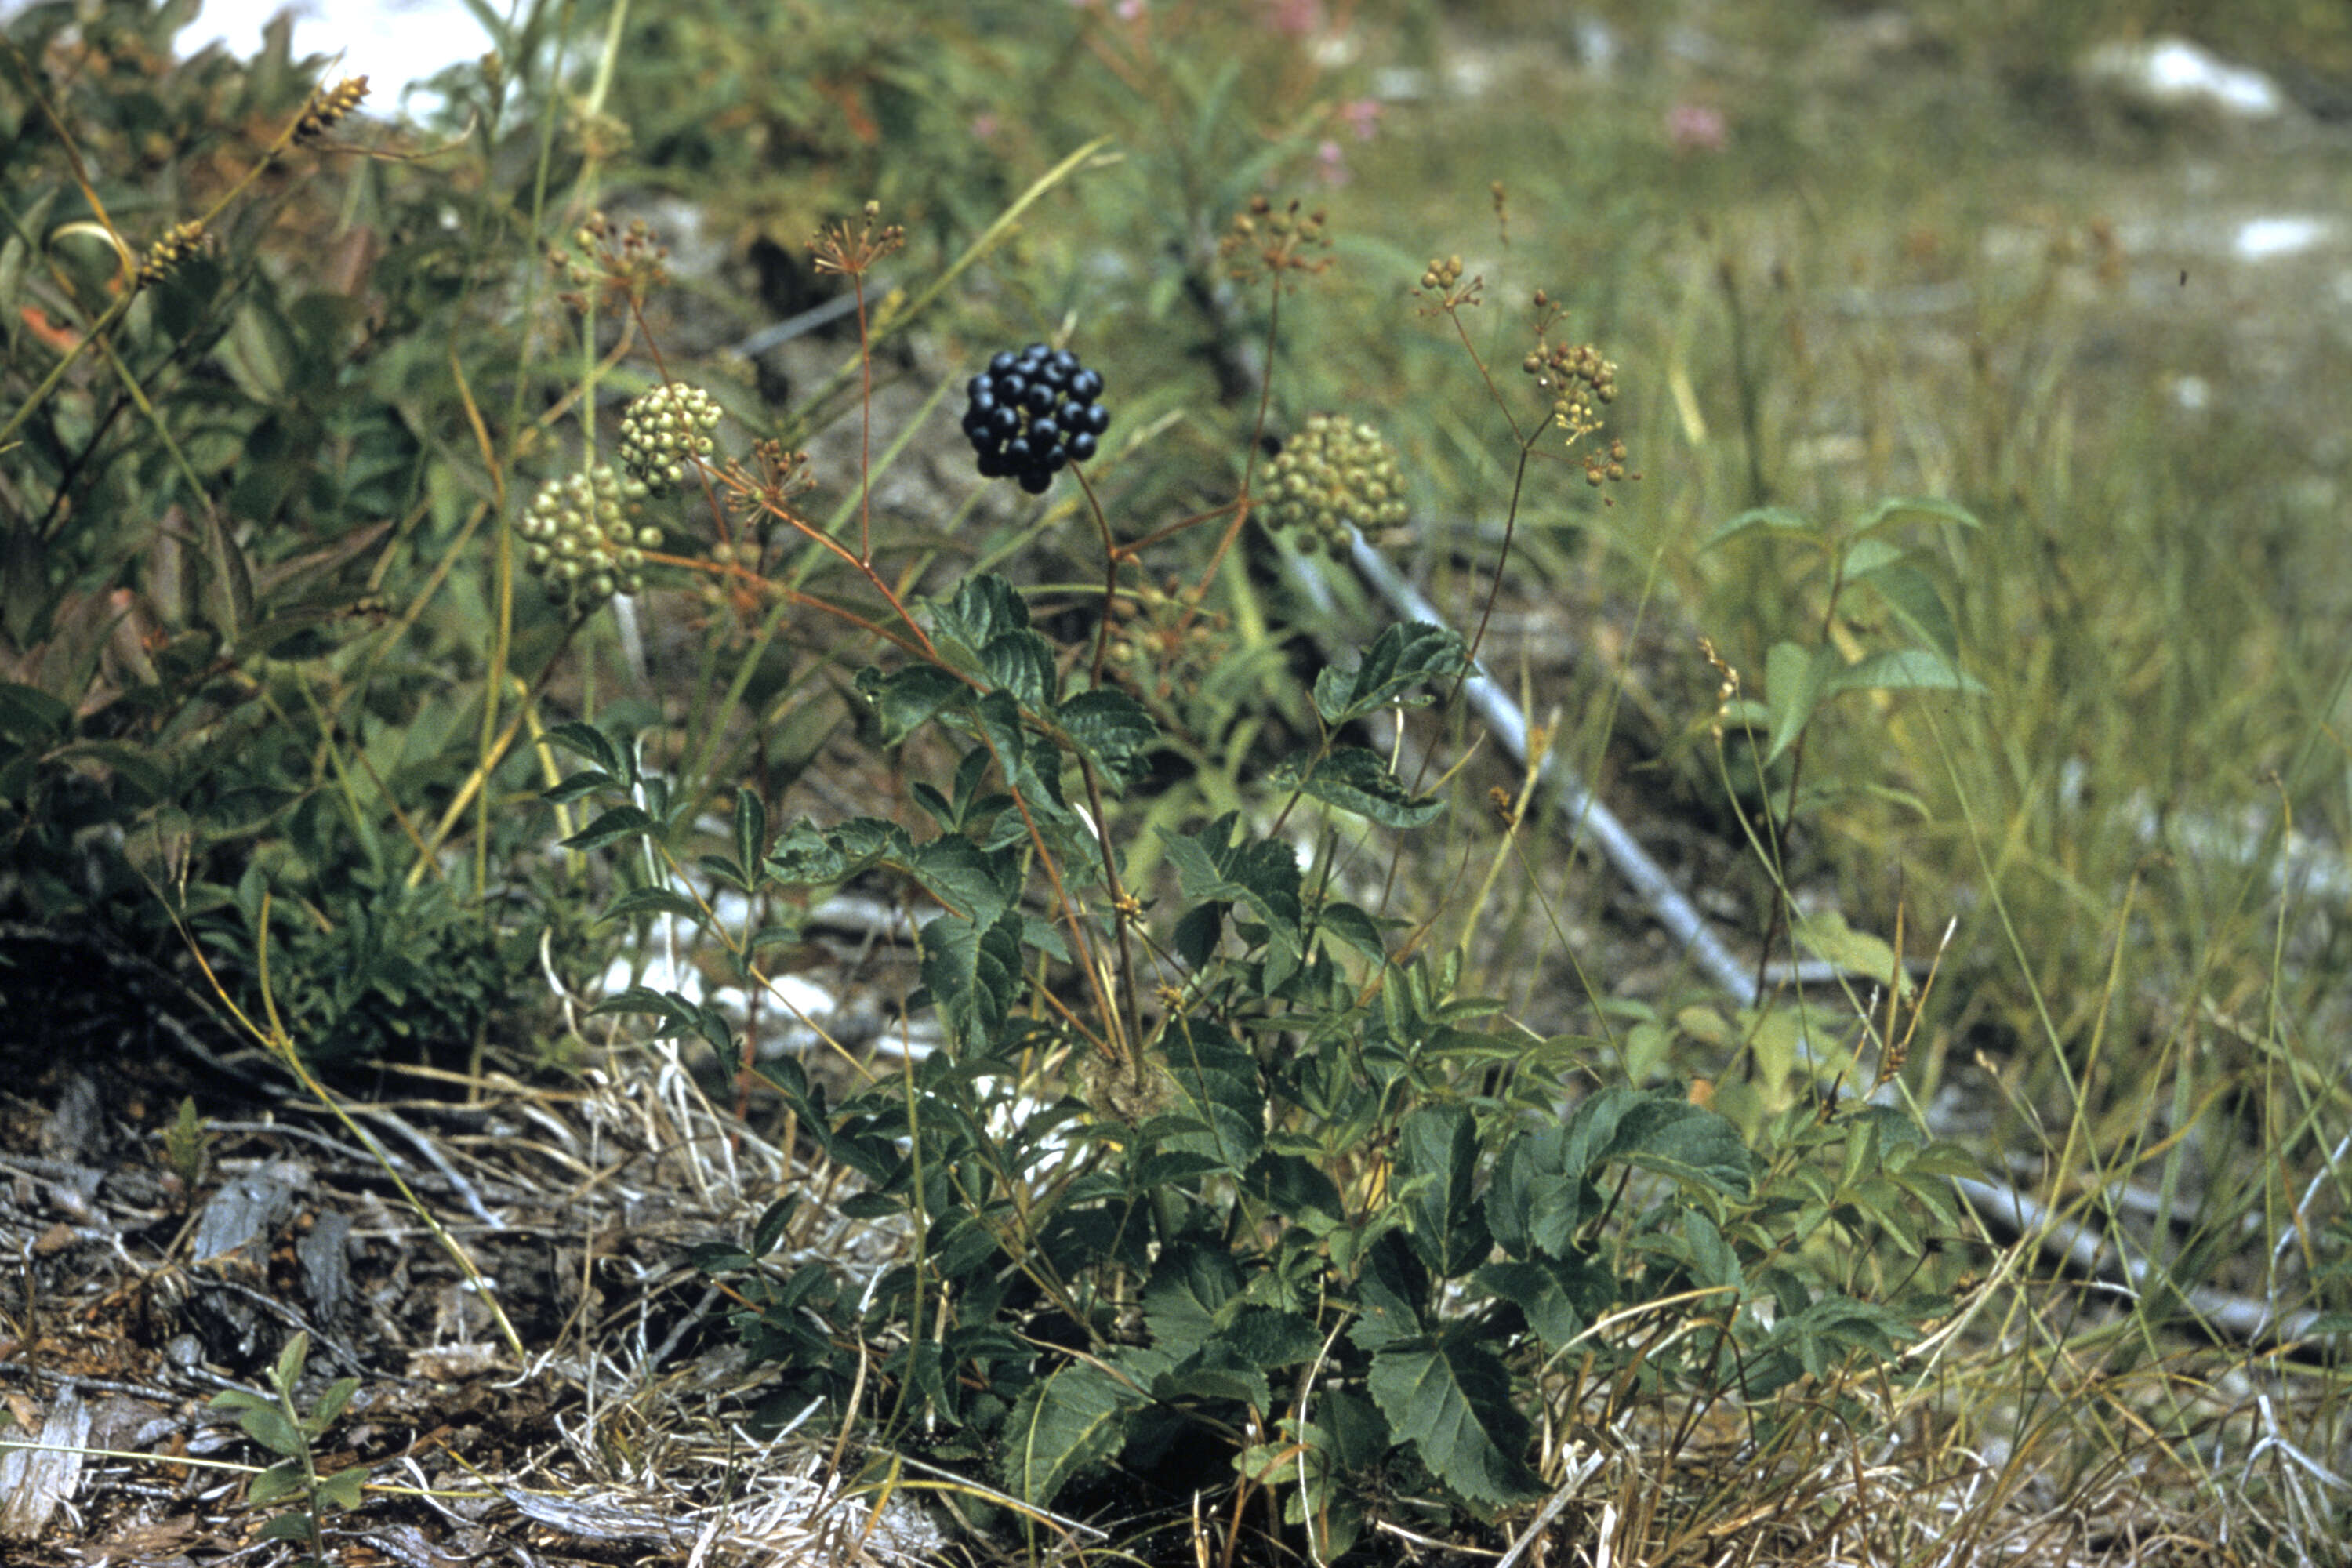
(1257, 872)
(1111, 730)
(973, 975)
(618, 823)
(1454, 1400)
(1400, 658)
(1437, 1163)
(1357, 780)
(1069, 1422)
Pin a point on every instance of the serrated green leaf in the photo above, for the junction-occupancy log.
(982, 609)
(1436, 1170)
(1031, 767)
(1216, 1085)
(1452, 1401)
(1111, 730)
(136, 768)
(1836, 1326)
(1383, 1317)
(1069, 1422)
(1296, 1188)
(1710, 1259)
(1021, 665)
(591, 744)
(808, 855)
(908, 699)
(1359, 1436)
(228, 579)
(1214, 1372)
(1190, 1286)
(1534, 1201)
(1946, 1160)
(290, 1361)
(668, 1006)
(977, 885)
(724, 870)
(962, 1243)
(1918, 604)
(983, 629)
(650, 902)
(717, 1258)
(973, 975)
(1261, 873)
(1271, 1339)
(1354, 927)
(618, 823)
(941, 809)
(1356, 780)
(1173, 1168)
(770, 936)
(1665, 1133)
(1559, 1299)
(1399, 659)
(586, 782)
(1196, 934)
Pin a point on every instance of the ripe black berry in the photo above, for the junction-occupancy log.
(1031, 412)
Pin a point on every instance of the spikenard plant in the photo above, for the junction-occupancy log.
(1240, 1166)
(1217, 1170)
(1304, 1201)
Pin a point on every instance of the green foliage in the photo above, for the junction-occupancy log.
(187, 1145)
(1216, 1166)
(277, 1423)
(1797, 679)
(224, 474)
(1278, 1199)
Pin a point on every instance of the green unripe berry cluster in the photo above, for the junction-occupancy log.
(1332, 476)
(585, 538)
(663, 430)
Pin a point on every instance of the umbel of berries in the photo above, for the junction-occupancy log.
(1332, 476)
(583, 537)
(1032, 412)
(665, 429)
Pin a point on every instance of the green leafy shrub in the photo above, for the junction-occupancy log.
(1306, 1202)
(1226, 1167)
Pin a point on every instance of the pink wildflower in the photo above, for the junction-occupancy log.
(1362, 115)
(1295, 18)
(1696, 128)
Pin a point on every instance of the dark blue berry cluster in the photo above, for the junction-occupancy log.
(1032, 412)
